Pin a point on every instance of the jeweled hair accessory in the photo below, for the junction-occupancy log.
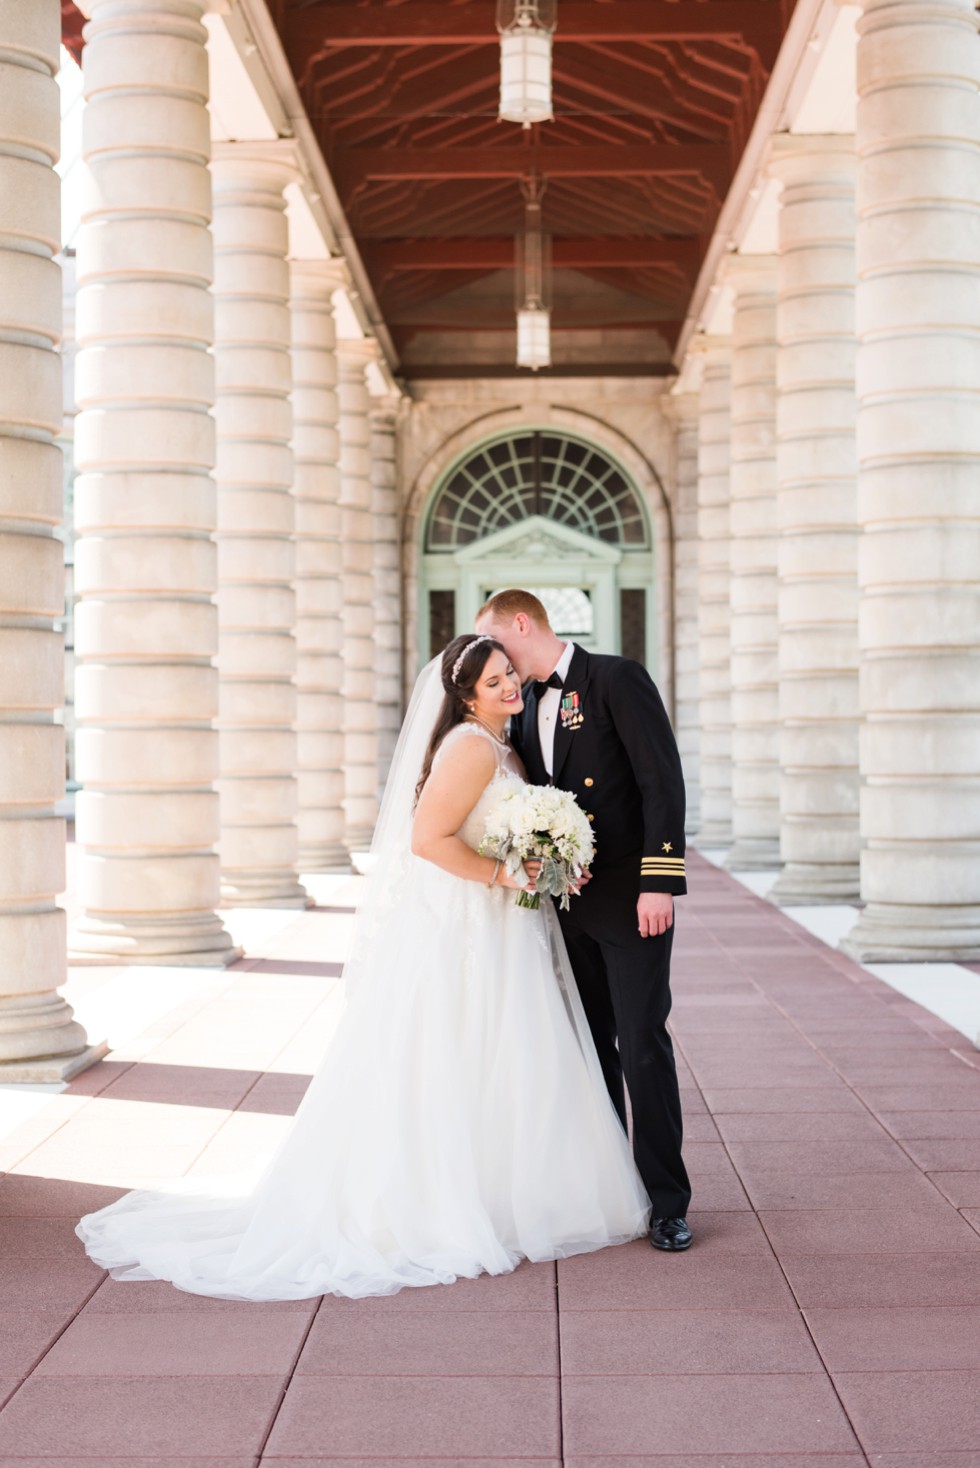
(483, 637)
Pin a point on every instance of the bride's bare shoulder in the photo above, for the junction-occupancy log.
(467, 745)
(461, 770)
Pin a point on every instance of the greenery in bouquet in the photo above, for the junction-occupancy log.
(545, 824)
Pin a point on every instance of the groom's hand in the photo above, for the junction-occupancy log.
(655, 913)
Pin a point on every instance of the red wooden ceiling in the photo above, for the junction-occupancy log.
(653, 100)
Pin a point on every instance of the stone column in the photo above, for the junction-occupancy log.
(39, 1039)
(918, 389)
(386, 520)
(256, 525)
(714, 577)
(319, 597)
(755, 680)
(146, 624)
(683, 410)
(357, 560)
(817, 521)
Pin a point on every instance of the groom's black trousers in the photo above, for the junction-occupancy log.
(624, 981)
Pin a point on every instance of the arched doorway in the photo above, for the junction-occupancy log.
(545, 509)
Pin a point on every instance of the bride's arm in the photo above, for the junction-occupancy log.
(450, 793)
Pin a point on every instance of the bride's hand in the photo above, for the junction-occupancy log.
(531, 869)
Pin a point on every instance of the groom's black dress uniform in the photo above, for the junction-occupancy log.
(615, 751)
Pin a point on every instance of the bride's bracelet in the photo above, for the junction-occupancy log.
(496, 873)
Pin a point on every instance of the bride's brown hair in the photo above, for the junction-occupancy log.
(471, 652)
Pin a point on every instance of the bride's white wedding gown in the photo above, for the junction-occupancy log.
(457, 1124)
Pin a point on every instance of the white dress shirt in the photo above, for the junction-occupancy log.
(548, 707)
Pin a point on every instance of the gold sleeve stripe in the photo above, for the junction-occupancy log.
(661, 866)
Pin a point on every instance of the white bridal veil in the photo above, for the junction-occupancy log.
(391, 847)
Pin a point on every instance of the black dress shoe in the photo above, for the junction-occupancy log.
(672, 1234)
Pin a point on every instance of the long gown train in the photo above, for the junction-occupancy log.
(458, 1123)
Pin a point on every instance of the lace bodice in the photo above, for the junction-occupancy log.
(507, 768)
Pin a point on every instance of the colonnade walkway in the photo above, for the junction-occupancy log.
(828, 1314)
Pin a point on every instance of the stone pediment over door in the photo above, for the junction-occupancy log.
(538, 539)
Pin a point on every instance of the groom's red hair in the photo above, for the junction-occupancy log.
(505, 606)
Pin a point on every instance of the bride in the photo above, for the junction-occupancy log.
(459, 1121)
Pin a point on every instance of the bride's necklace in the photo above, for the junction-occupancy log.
(475, 718)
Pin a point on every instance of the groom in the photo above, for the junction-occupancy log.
(596, 726)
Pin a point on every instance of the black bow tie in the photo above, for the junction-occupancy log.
(541, 688)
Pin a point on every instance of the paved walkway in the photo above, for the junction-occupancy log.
(829, 1314)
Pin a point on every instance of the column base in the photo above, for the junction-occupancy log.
(800, 885)
(358, 841)
(251, 891)
(889, 933)
(753, 856)
(124, 939)
(41, 1040)
(51, 1068)
(325, 858)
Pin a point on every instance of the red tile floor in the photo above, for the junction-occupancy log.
(829, 1314)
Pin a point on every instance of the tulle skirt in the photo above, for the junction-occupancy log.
(457, 1124)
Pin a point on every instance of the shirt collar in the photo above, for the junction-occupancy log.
(565, 661)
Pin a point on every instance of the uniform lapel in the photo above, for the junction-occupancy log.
(530, 740)
(576, 682)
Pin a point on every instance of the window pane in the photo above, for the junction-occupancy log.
(545, 473)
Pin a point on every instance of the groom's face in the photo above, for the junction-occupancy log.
(513, 639)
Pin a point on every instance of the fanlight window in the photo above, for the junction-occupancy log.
(548, 474)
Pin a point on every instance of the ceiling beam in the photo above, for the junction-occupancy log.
(355, 166)
(385, 258)
(434, 23)
(653, 318)
(480, 370)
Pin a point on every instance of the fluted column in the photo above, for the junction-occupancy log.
(357, 559)
(817, 521)
(755, 680)
(714, 578)
(386, 521)
(918, 388)
(683, 411)
(256, 525)
(319, 592)
(39, 1039)
(146, 624)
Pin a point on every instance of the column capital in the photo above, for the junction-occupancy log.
(118, 14)
(750, 274)
(319, 277)
(386, 409)
(887, 14)
(269, 166)
(355, 352)
(715, 353)
(706, 345)
(812, 158)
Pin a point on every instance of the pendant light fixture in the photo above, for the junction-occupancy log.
(526, 28)
(533, 282)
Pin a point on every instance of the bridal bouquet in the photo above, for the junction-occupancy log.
(540, 823)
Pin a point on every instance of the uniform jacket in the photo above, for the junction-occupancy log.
(616, 752)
